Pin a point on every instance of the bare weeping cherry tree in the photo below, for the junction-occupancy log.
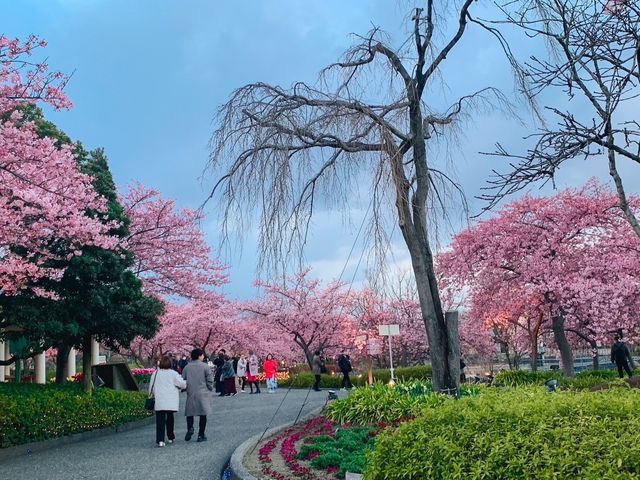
(594, 58)
(284, 152)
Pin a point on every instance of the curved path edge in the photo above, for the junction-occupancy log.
(33, 447)
(238, 470)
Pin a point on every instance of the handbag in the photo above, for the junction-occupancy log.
(150, 402)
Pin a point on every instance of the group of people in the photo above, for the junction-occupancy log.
(199, 378)
(236, 372)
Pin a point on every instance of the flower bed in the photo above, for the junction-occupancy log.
(312, 451)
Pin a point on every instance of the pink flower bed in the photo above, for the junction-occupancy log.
(288, 440)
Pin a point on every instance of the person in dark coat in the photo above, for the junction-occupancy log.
(316, 369)
(199, 385)
(182, 363)
(344, 362)
(219, 363)
(621, 357)
(228, 377)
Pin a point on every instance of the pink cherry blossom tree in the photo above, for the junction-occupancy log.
(172, 256)
(565, 265)
(44, 199)
(308, 314)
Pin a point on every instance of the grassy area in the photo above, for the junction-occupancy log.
(38, 412)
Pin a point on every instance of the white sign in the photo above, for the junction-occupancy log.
(389, 330)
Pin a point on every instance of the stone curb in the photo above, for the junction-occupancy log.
(238, 470)
(35, 447)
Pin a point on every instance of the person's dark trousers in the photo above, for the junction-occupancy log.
(244, 382)
(164, 419)
(316, 385)
(221, 388)
(201, 425)
(257, 384)
(623, 364)
(346, 381)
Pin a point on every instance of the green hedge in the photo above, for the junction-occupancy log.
(306, 379)
(32, 412)
(582, 381)
(523, 433)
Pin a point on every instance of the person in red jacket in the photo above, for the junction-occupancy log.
(270, 369)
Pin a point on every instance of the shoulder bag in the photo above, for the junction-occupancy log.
(150, 402)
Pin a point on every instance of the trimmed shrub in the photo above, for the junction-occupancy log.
(517, 378)
(305, 379)
(524, 433)
(37, 412)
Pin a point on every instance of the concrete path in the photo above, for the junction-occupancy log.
(133, 454)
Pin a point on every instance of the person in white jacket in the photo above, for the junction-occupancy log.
(165, 387)
(241, 372)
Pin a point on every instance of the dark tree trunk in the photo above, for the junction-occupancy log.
(86, 364)
(533, 361)
(61, 363)
(560, 337)
(594, 355)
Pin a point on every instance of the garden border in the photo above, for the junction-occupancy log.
(35, 447)
(238, 470)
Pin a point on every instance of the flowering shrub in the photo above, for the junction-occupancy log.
(280, 376)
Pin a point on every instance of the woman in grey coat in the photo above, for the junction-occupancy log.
(199, 387)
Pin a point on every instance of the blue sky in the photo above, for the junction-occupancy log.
(148, 77)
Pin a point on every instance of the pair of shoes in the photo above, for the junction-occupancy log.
(160, 444)
(202, 439)
(234, 394)
(252, 392)
(317, 390)
(242, 391)
(170, 441)
(189, 434)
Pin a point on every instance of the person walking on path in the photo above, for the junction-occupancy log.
(241, 372)
(219, 363)
(165, 387)
(621, 357)
(199, 385)
(316, 369)
(344, 362)
(182, 363)
(270, 371)
(229, 377)
(252, 373)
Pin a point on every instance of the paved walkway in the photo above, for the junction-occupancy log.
(133, 454)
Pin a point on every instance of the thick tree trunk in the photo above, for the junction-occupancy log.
(560, 337)
(61, 363)
(86, 363)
